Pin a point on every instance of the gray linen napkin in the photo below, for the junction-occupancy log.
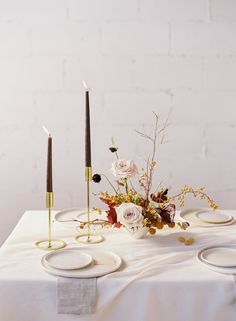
(76, 296)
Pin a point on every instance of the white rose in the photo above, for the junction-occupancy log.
(124, 168)
(129, 214)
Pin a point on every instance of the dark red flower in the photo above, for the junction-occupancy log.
(118, 224)
(160, 197)
(112, 216)
(167, 213)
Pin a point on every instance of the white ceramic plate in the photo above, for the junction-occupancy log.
(224, 270)
(190, 215)
(220, 256)
(104, 262)
(68, 259)
(214, 217)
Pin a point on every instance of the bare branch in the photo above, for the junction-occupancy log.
(166, 125)
(151, 160)
(144, 135)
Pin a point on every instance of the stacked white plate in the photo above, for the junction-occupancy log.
(207, 218)
(80, 262)
(221, 258)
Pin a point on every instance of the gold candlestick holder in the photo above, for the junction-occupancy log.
(50, 244)
(89, 238)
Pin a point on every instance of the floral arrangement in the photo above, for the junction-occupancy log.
(134, 208)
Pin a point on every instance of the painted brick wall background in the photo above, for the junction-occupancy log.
(137, 56)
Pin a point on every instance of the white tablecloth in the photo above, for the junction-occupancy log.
(161, 279)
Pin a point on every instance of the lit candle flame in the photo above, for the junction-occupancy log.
(85, 85)
(46, 131)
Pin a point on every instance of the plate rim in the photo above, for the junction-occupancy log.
(73, 209)
(216, 269)
(58, 272)
(69, 268)
(200, 223)
(230, 218)
(202, 259)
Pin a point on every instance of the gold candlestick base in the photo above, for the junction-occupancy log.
(50, 245)
(89, 238)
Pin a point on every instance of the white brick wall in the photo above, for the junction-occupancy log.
(220, 73)
(132, 38)
(103, 10)
(106, 73)
(223, 10)
(28, 74)
(64, 38)
(137, 56)
(201, 38)
(151, 73)
(169, 10)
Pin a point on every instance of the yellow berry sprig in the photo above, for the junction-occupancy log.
(198, 193)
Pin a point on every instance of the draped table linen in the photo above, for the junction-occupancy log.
(160, 278)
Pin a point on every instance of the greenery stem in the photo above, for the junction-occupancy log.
(126, 185)
(110, 183)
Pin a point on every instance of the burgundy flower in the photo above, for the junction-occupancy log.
(118, 224)
(112, 216)
(160, 197)
(168, 213)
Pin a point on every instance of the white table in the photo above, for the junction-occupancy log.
(161, 280)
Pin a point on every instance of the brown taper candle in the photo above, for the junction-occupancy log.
(49, 165)
(87, 131)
